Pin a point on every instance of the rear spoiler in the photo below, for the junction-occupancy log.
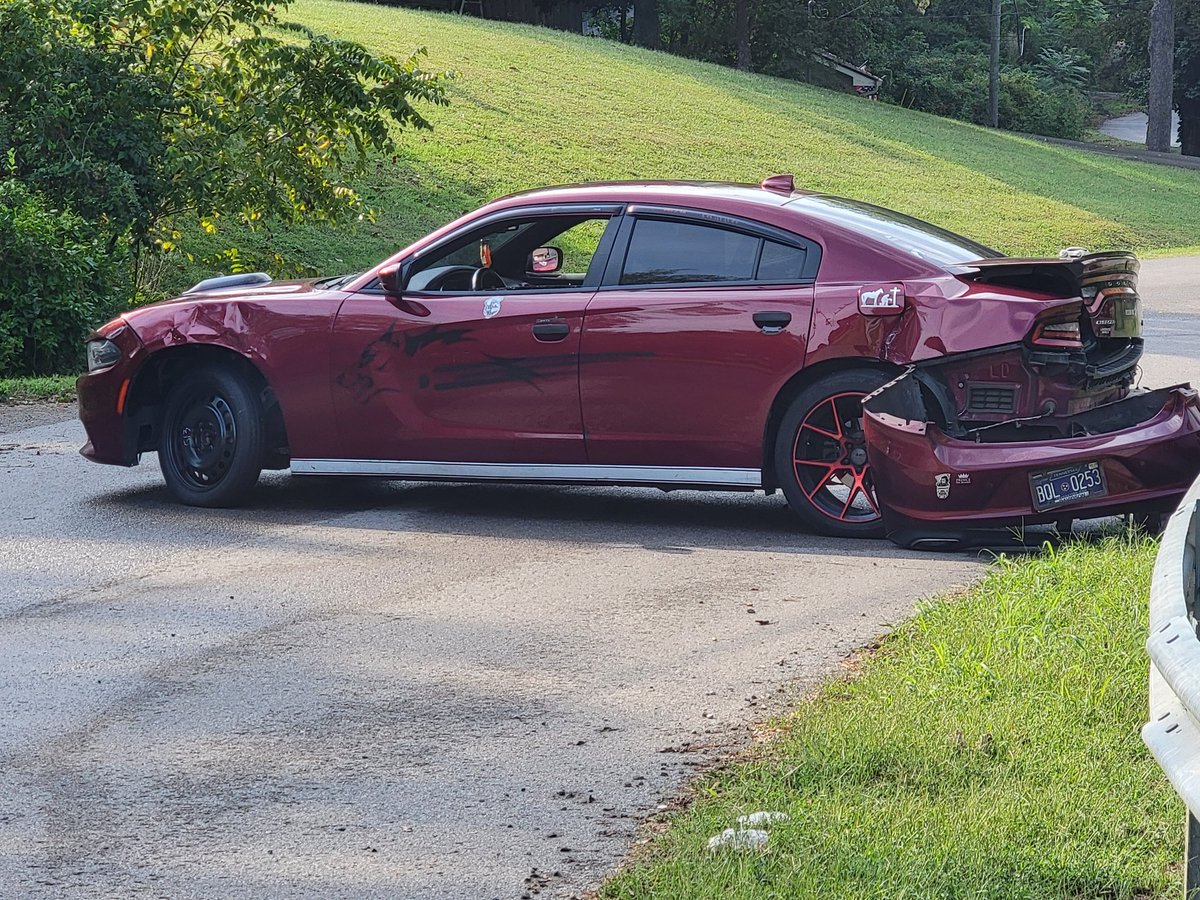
(1066, 277)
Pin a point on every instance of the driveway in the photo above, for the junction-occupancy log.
(358, 689)
(366, 689)
(1132, 127)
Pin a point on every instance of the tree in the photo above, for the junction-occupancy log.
(646, 27)
(1065, 66)
(1162, 65)
(742, 23)
(1187, 79)
(151, 117)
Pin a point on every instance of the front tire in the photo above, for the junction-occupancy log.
(212, 440)
(821, 457)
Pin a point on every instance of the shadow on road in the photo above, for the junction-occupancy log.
(678, 522)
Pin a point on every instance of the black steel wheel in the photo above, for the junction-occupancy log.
(212, 437)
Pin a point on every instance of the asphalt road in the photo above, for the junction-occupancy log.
(365, 689)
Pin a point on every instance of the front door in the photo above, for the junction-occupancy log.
(479, 361)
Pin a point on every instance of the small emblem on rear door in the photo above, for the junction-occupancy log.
(491, 306)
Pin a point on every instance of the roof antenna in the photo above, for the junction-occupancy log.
(782, 184)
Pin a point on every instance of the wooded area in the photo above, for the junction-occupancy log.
(932, 55)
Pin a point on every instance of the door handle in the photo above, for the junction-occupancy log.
(772, 322)
(551, 331)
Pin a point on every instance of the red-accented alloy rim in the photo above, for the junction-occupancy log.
(830, 455)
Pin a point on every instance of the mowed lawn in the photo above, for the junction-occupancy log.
(531, 107)
(990, 749)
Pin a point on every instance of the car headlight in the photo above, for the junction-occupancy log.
(101, 354)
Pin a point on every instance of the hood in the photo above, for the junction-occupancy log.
(259, 294)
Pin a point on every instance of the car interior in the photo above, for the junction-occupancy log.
(539, 253)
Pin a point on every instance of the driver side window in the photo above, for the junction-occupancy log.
(500, 256)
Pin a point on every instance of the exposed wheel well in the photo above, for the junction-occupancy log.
(794, 385)
(153, 383)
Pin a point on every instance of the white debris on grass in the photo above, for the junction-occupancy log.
(739, 839)
(759, 819)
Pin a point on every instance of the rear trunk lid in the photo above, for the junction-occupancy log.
(1110, 318)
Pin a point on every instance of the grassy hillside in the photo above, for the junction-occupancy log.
(532, 107)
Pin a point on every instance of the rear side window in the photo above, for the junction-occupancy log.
(663, 252)
(779, 262)
(670, 252)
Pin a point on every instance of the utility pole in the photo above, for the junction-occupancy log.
(1162, 75)
(994, 69)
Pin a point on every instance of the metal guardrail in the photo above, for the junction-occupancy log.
(1173, 732)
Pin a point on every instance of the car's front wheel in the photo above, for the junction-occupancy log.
(212, 439)
(821, 455)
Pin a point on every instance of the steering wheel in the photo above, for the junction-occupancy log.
(481, 276)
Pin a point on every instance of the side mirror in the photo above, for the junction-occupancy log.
(389, 280)
(545, 260)
(393, 288)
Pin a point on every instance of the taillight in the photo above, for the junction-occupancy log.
(1058, 334)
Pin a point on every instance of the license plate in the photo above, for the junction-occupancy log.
(1069, 484)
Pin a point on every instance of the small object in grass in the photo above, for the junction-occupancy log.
(759, 819)
(738, 839)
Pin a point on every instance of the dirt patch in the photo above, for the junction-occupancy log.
(19, 416)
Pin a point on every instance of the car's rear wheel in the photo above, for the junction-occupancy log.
(212, 440)
(821, 455)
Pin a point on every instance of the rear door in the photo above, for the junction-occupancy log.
(699, 320)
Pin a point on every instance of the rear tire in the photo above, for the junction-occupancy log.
(212, 440)
(820, 455)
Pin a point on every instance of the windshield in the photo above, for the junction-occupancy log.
(928, 242)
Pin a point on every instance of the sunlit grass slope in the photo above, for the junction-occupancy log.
(531, 107)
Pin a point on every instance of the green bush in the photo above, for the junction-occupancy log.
(1027, 103)
(943, 83)
(954, 83)
(57, 282)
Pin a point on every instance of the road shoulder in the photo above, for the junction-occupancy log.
(16, 417)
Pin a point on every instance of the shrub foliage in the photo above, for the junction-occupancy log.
(58, 280)
(147, 119)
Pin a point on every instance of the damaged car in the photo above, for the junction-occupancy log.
(670, 335)
(1044, 425)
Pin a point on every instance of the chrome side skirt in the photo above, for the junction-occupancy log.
(550, 472)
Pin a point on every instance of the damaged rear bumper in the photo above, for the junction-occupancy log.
(939, 491)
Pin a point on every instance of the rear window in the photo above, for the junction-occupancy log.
(780, 262)
(928, 242)
(663, 252)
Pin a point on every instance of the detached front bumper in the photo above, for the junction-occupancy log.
(937, 491)
(103, 398)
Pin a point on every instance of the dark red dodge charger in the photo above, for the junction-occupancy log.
(675, 335)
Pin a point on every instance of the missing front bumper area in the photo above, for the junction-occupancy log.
(939, 490)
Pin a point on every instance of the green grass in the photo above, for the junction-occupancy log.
(59, 388)
(989, 748)
(532, 107)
